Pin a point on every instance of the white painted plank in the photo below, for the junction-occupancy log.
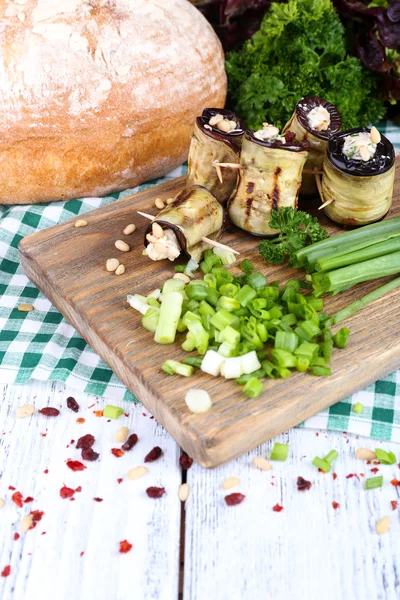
(50, 566)
(309, 550)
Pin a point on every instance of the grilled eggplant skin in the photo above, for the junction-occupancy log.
(362, 191)
(269, 177)
(318, 139)
(207, 146)
(195, 213)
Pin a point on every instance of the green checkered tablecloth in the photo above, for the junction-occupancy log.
(41, 345)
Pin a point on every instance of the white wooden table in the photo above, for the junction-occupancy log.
(204, 550)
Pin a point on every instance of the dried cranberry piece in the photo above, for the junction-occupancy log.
(11, 487)
(66, 492)
(303, 484)
(235, 498)
(185, 461)
(75, 465)
(79, 488)
(334, 475)
(117, 452)
(6, 571)
(86, 441)
(290, 137)
(119, 479)
(17, 498)
(98, 499)
(16, 536)
(130, 442)
(277, 508)
(335, 505)
(153, 454)
(155, 492)
(89, 454)
(124, 546)
(374, 470)
(28, 499)
(394, 504)
(49, 411)
(36, 517)
(72, 404)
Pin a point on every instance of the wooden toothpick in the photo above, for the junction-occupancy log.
(218, 169)
(312, 172)
(319, 186)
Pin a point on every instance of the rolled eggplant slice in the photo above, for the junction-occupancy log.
(195, 213)
(314, 119)
(358, 177)
(217, 137)
(270, 177)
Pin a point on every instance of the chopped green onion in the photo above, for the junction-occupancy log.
(170, 313)
(139, 303)
(222, 319)
(230, 335)
(212, 363)
(302, 364)
(340, 338)
(385, 458)
(307, 350)
(331, 456)
(279, 451)
(307, 330)
(173, 367)
(374, 482)
(321, 371)
(196, 292)
(256, 280)
(180, 268)
(173, 285)
(283, 358)
(198, 401)
(283, 372)
(245, 378)
(227, 257)
(112, 412)
(232, 367)
(230, 304)
(193, 361)
(253, 387)
(286, 341)
(322, 464)
(229, 289)
(358, 408)
(269, 368)
(245, 295)
(247, 266)
(150, 319)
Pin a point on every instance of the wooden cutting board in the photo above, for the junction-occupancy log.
(68, 265)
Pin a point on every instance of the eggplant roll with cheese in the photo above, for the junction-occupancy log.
(358, 175)
(314, 119)
(217, 137)
(179, 227)
(269, 177)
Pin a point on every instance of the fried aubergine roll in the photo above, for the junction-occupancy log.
(358, 175)
(270, 177)
(179, 227)
(217, 137)
(314, 119)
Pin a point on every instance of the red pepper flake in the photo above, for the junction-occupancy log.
(153, 455)
(72, 404)
(80, 420)
(82, 553)
(98, 413)
(117, 452)
(89, 454)
(394, 504)
(374, 470)
(66, 492)
(46, 471)
(334, 475)
(49, 411)
(185, 461)
(316, 433)
(376, 462)
(335, 505)
(130, 442)
(36, 517)
(75, 465)
(368, 462)
(98, 499)
(91, 406)
(124, 546)
(155, 492)
(16, 536)
(28, 499)
(277, 508)
(321, 471)
(43, 434)
(233, 499)
(126, 414)
(17, 499)
(79, 488)
(11, 487)
(303, 484)
(144, 414)
(119, 479)
(72, 499)
(395, 482)
(352, 475)
(86, 441)
(44, 532)
(6, 571)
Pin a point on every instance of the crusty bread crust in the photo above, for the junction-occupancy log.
(100, 95)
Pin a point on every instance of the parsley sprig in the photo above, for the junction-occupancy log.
(297, 229)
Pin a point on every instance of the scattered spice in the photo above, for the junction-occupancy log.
(117, 452)
(394, 504)
(120, 480)
(303, 484)
(130, 442)
(28, 499)
(82, 553)
(185, 461)
(72, 404)
(124, 546)
(80, 420)
(17, 499)
(235, 498)
(6, 571)
(350, 475)
(46, 471)
(49, 411)
(335, 505)
(79, 488)
(98, 413)
(153, 455)
(11, 487)
(16, 536)
(89, 454)
(66, 492)
(277, 508)
(75, 465)
(36, 517)
(98, 499)
(395, 482)
(86, 441)
(155, 492)
(374, 470)
(334, 475)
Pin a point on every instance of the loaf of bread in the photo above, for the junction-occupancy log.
(100, 95)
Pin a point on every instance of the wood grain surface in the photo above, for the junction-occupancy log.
(68, 265)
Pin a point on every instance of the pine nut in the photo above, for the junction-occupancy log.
(158, 231)
(159, 203)
(80, 223)
(365, 454)
(374, 135)
(262, 463)
(363, 150)
(25, 411)
(137, 473)
(120, 270)
(216, 119)
(183, 492)
(25, 307)
(383, 525)
(112, 264)
(129, 229)
(170, 200)
(224, 126)
(123, 246)
(25, 524)
(2, 503)
(182, 276)
(121, 434)
(230, 483)
(150, 238)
